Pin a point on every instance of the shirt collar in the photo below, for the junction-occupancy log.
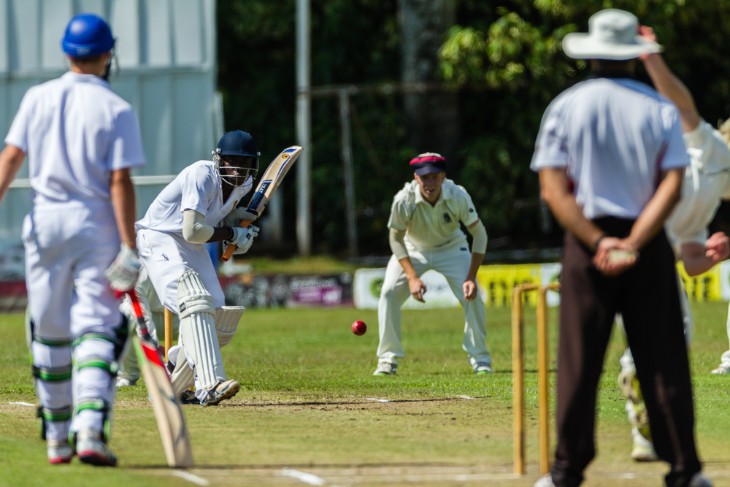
(85, 78)
(446, 192)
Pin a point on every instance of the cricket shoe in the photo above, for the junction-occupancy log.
(93, 450)
(546, 481)
(386, 368)
(221, 391)
(722, 369)
(482, 368)
(188, 397)
(643, 449)
(59, 452)
(699, 480)
(125, 382)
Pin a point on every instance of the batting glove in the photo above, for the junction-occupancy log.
(243, 238)
(124, 271)
(234, 218)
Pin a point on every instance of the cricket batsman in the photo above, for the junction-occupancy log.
(171, 239)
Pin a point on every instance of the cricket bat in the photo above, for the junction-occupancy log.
(168, 413)
(270, 181)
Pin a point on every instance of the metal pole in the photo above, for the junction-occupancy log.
(348, 172)
(304, 226)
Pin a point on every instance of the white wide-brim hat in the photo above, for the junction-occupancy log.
(612, 34)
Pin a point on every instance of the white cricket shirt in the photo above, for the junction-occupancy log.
(198, 188)
(75, 130)
(706, 182)
(614, 136)
(430, 227)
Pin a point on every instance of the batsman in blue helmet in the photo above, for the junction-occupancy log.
(81, 141)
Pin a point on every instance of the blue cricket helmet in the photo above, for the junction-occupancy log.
(237, 150)
(87, 35)
(237, 143)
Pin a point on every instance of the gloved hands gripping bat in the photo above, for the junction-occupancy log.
(270, 181)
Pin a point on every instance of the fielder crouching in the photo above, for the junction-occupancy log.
(170, 239)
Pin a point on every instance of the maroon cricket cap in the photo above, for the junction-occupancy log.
(427, 163)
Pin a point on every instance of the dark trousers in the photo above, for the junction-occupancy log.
(647, 296)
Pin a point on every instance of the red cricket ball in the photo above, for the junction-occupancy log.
(359, 327)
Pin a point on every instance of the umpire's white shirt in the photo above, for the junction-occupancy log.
(432, 227)
(603, 129)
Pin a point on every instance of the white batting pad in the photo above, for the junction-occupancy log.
(182, 377)
(226, 323)
(197, 330)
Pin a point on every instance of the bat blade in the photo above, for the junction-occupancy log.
(167, 409)
(270, 181)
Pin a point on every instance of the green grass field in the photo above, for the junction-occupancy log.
(311, 413)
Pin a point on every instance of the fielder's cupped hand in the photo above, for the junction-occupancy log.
(470, 289)
(237, 215)
(243, 238)
(417, 289)
(124, 271)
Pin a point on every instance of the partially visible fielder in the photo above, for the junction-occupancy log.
(81, 140)
(724, 367)
(706, 184)
(425, 233)
(171, 240)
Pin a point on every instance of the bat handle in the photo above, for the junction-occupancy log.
(231, 247)
(135, 304)
(138, 313)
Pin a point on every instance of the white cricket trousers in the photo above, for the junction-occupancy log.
(167, 256)
(453, 263)
(74, 314)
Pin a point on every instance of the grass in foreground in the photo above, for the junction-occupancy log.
(308, 400)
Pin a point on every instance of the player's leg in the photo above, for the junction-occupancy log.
(654, 324)
(51, 350)
(587, 310)
(199, 341)
(48, 279)
(164, 265)
(724, 367)
(100, 331)
(642, 449)
(129, 371)
(146, 292)
(183, 376)
(166, 276)
(454, 265)
(226, 323)
(393, 294)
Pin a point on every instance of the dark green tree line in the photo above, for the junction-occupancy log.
(502, 59)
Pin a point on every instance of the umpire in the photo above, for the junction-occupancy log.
(611, 159)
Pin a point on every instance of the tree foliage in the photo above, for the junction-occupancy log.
(504, 60)
(510, 56)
